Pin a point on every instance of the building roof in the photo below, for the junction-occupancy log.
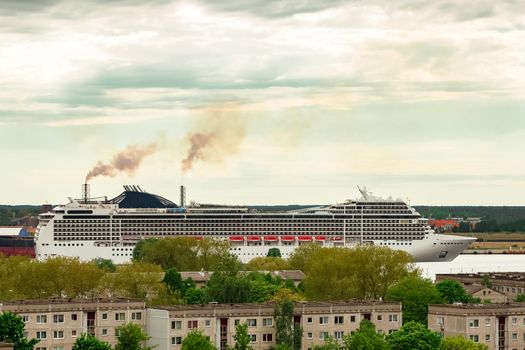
(135, 198)
(478, 309)
(267, 307)
(36, 305)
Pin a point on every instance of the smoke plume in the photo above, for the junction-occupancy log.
(126, 161)
(215, 137)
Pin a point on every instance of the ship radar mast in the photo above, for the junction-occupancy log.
(364, 192)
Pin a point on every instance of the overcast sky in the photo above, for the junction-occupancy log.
(414, 99)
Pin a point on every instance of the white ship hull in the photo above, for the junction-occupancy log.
(110, 230)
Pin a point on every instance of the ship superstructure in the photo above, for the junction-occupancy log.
(110, 229)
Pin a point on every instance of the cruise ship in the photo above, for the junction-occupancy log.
(110, 228)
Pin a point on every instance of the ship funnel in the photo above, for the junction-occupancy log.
(85, 192)
(182, 196)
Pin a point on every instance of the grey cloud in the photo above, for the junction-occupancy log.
(272, 8)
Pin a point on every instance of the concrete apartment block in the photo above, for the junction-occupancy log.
(57, 323)
(168, 325)
(499, 326)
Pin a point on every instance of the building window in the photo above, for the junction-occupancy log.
(487, 337)
(267, 322)
(58, 318)
(104, 331)
(474, 337)
(41, 335)
(252, 322)
(253, 338)
(117, 332)
(236, 322)
(514, 336)
(392, 318)
(323, 335)
(40, 348)
(176, 324)
(120, 316)
(440, 321)
(58, 347)
(207, 323)
(268, 337)
(41, 318)
(309, 320)
(352, 318)
(73, 317)
(514, 320)
(74, 333)
(473, 323)
(323, 320)
(104, 316)
(309, 335)
(137, 316)
(380, 317)
(487, 321)
(176, 340)
(338, 335)
(339, 320)
(25, 318)
(192, 324)
(58, 334)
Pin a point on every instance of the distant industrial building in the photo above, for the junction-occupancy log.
(498, 326)
(168, 325)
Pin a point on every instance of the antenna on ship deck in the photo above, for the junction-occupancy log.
(85, 192)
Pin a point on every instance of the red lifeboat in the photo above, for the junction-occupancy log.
(320, 238)
(338, 238)
(304, 238)
(236, 238)
(254, 238)
(287, 238)
(270, 238)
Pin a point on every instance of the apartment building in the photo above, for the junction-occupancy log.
(167, 326)
(6, 346)
(57, 323)
(511, 284)
(499, 326)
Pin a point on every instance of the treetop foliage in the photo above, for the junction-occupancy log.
(90, 342)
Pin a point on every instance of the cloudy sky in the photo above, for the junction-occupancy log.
(302, 99)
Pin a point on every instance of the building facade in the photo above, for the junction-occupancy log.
(168, 326)
(57, 323)
(511, 284)
(499, 326)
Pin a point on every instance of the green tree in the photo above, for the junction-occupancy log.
(520, 298)
(453, 291)
(414, 336)
(173, 281)
(287, 332)
(267, 263)
(365, 272)
(131, 337)
(415, 293)
(274, 252)
(302, 256)
(89, 342)
(329, 344)
(195, 296)
(137, 280)
(105, 264)
(241, 337)
(366, 338)
(485, 281)
(460, 343)
(12, 331)
(195, 340)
